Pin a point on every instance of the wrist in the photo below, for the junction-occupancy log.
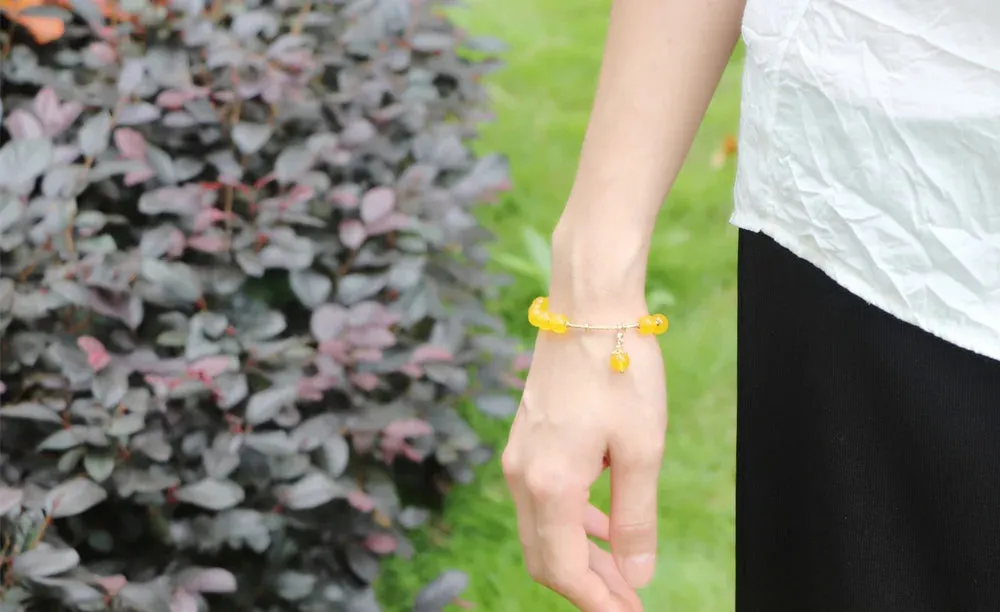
(599, 266)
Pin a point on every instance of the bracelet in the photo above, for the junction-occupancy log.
(648, 325)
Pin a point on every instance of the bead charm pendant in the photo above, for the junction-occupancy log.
(619, 358)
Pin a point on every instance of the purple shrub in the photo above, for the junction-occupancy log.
(242, 287)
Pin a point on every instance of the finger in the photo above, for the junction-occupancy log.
(526, 531)
(604, 566)
(559, 501)
(596, 523)
(634, 476)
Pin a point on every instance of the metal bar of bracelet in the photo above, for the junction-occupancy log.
(589, 327)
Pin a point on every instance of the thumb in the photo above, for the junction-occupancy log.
(634, 479)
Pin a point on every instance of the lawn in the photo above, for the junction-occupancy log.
(542, 99)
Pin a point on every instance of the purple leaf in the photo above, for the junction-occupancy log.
(22, 161)
(93, 136)
(311, 288)
(312, 490)
(138, 113)
(292, 163)
(431, 42)
(266, 405)
(250, 137)
(500, 405)
(327, 322)
(255, 23)
(74, 497)
(9, 499)
(211, 494)
(45, 562)
(438, 594)
(133, 70)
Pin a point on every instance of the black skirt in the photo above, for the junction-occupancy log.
(868, 453)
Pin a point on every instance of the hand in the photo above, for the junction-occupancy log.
(575, 415)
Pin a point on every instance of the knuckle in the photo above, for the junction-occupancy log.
(509, 462)
(635, 530)
(545, 482)
(536, 571)
(560, 579)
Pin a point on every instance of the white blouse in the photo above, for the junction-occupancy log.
(870, 146)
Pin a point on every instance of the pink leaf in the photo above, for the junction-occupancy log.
(412, 370)
(182, 601)
(55, 117)
(177, 243)
(370, 337)
(173, 99)
(104, 52)
(139, 176)
(131, 143)
(429, 352)
(97, 356)
(337, 349)
(377, 203)
(389, 223)
(371, 313)
(22, 124)
(408, 428)
(369, 355)
(313, 387)
(208, 217)
(343, 197)
(112, 584)
(362, 442)
(366, 381)
(352, 233)
(208, 368)
(209, 243)
(361, 500)
(380, 543)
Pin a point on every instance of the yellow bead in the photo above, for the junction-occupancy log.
(557, 323)
(660, 324)
(540, 302)
(619, 361)
(647, 325)
(544, 321)
(535, 314)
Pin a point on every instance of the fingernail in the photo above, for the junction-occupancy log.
(639, 570)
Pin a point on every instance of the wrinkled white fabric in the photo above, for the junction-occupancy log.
(870, 146)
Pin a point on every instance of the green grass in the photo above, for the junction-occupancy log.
(542, 99)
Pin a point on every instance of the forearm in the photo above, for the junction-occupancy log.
(662, 62)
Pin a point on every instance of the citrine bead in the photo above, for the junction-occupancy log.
(544, 321)
(660, 324)
(558, 323)
(534, 315)
(647, 325)
(619, 361)
(542, 302)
